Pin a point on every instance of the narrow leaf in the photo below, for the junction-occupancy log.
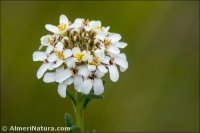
(89, 97)
(104, 82)
(93, 96)
(71, 97)
(87, 100)
(69, 120)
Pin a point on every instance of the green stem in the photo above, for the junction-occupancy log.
(79, 112)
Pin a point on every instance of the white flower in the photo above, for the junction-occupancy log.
(50, 41)
(92, 80)
(42, 56)
(61, 28)
(81, 54)
(59, 55)
(111, 42)
(89, 25)
(80, 23)
(78, 55)
(95, 62)
(112, 62)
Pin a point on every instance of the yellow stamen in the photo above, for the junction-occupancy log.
(99, 28)
(95, 61)
(80, 56)
(62, 27)
(60, 55)
(107, 43)
(51, 41)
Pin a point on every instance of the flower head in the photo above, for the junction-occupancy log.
(81, 52)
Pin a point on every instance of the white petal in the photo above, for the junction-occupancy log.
(62, 88)
(58, 63)
(75, 25)
(87, 28)
(86, 56)
(91, 67)
(94, 24)
(44, 40)
(50, 66)
(63, 19)
(122, 69)
(102, 46)
(114, 74)
(98, 23)
(120, 44)
(102, 68)
(89, 58)
(121, 62)
(113, 49)
(76, 50)
(99, 74)
(60, 69)
(100, 36)
(87, 86)
(114, 37)
(49, 49)
(49, 77)
(83, 71)
(52, 57)
(100, 54)
(106, 60)
(122, 55)
(67, 53)
(106, 29)
(98, 86)
(78, 82)
(52, 28)
(62, 74)
(43, 68)
(112, 55)
(39, 56)
(79, 21)
(69, 81)
(70, 62)
(59, 46)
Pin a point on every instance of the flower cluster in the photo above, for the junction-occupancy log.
(81, 53)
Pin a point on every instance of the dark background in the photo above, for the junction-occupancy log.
(158, 92)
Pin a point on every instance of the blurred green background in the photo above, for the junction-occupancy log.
(158, 92)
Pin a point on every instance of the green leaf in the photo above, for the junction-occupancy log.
(69, 120)
(71, 97)
(89, 97)
(104, 82)
(93, 96)
(87, 100)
